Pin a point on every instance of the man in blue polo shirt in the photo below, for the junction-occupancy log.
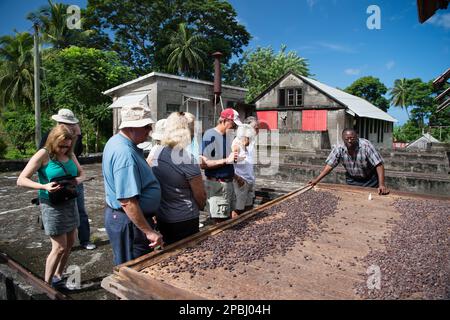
(217, 161)
(132, 191)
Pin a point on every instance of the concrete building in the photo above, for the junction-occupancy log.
(165, 93)
(311, 115)
(423, 143)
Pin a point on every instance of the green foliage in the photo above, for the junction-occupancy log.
(3, 148)
(370, 89)
(263, 66)
(187, 56)
(75, 79)
(408, 93)
(407, 133)
(142, 29)
(16, 70)
(52, 22)
(20, 127)
(419, 96)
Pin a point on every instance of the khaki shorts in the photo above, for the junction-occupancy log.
(244, 195)
(220, 198)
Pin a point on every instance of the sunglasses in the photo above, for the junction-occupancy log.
(64, 147)
(148, 127)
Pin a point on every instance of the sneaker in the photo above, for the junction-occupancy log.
(89, 246)
(58, 283)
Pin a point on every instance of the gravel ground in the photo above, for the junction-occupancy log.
(416, 261)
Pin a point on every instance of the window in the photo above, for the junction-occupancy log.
(268, 119)
(299, 97)
(231, 104)
(314, 120)
(291, 97)
(172, 108)
(281, 98)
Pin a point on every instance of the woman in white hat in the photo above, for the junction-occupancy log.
(157, 136)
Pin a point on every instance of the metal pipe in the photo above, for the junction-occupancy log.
(37, 92)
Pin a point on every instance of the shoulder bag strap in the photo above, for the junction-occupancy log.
(62, 166)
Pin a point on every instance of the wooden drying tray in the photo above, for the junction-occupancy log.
(320, 268)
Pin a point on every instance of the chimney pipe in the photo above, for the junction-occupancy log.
(217, 73)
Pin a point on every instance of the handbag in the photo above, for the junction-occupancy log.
(68, 190)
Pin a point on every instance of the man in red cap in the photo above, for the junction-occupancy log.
(217, 161)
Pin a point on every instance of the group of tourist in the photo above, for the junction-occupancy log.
(157, 201)
(154, 202)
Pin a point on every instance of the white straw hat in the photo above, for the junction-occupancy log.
(65, 116)
(135, 115)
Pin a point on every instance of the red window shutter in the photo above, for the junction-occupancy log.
(268, 119)
(314, 120)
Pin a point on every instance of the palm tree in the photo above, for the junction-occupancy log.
(401, 94)
(186, 51)
(52, 21)
(16, 69)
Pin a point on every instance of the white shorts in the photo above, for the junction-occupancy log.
(244, 194)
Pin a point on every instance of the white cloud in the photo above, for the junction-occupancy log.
(352, 72)
(390, 64)
(336, 47)
(440, 20)
(311, 3)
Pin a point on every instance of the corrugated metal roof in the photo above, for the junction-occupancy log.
(357, 105)
(165, 75)
(422, 142)
(128, 99)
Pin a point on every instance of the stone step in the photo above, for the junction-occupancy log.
(410, 165)
(387, 154)
(433, 184)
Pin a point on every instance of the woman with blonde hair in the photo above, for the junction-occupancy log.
(60, 217)
(182, 191)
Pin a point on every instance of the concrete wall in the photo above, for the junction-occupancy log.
(165, 90)
(19, 165)
(312, 98)
(290, 118)
(395, 181)
(337, 121)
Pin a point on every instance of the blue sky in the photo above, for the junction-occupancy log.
(331, 34)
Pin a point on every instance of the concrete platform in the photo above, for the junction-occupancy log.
(22, 238)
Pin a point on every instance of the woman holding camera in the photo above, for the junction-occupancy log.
(60, 217)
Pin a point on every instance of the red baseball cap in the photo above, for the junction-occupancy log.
(231, 114)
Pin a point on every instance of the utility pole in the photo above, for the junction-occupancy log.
(37, 88)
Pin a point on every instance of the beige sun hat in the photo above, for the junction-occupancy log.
(65, 116)
(135, 115)
(158, 131)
